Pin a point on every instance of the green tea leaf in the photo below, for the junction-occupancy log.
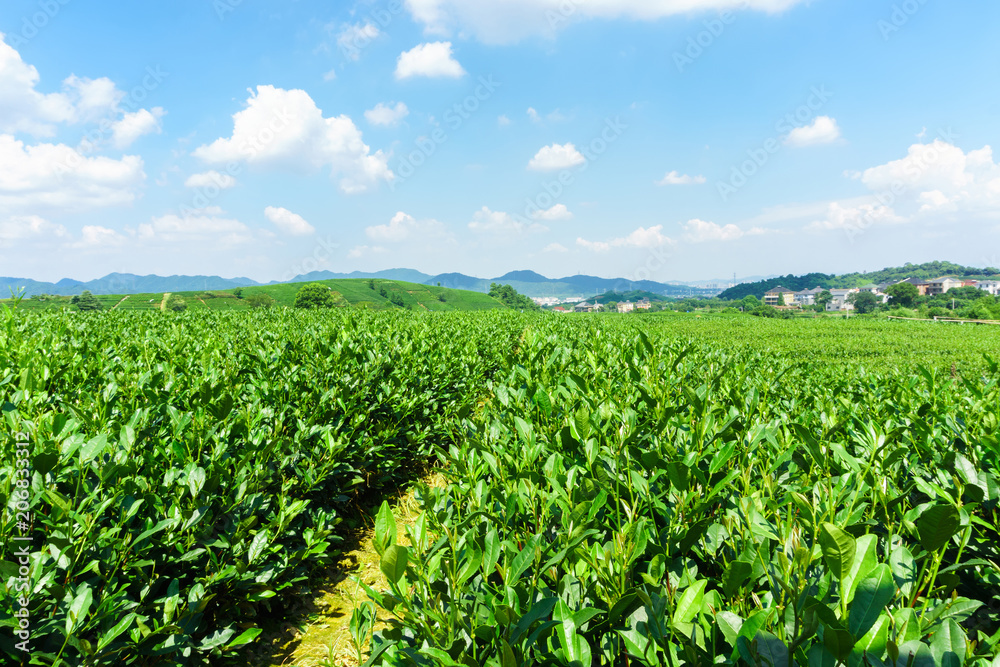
(772, 651)
(915, 654)
(79, 608)
(394, 563)
(839, 550)
(873, 594)
(257, 546)
(937, 525)
(690, 602)
(949, 644)
(385, 529)
(735, 576)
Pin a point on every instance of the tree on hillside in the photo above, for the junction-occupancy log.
(864, 302)
(176, 304)
(824, 298)
(86, 301)
(314, 296)
(750, 302)
(903, 294)
(508, 296)
(260, 300)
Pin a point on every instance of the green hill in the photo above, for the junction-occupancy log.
(347, 294)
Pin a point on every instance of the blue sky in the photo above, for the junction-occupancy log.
(668, 139)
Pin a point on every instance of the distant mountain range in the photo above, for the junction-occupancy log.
(526, 282)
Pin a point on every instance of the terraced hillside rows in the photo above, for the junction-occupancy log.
(621, 490)
(358, 294)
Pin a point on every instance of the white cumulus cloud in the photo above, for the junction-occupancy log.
(701, 231)
(97, 237)
(172, 228)
(676, 178)
(354, 38)
(501, 223)
(859, 217)
(29, 227)
(56, 176)
(25, 109)
(403, 227)
(387, 114)
(642, 237)
(512, 20)
(823, 130)
(433, 59)
(937, 183)
(288, 222)
(285, 129)
(556, 156)
(360, 251)
(555, 247)
(131, 126)
(557, 213)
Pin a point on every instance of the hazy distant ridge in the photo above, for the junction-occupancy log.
(527, 282)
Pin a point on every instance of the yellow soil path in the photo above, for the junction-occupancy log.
(163, 304)
(322, 637)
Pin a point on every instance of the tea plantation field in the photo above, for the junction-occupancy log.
(622, 490)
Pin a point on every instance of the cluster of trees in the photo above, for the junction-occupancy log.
(176, 304)
(511, 298)
(86, 301)
(314, 296)
(963, 302)
(260, 300)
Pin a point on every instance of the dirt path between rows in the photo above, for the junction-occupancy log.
(319, 635)
(163, 304)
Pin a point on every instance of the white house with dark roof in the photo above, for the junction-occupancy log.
(991, 286)
(807, 297)
(942, 285)
(840, 303)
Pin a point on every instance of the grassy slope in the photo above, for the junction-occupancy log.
(349, 293)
